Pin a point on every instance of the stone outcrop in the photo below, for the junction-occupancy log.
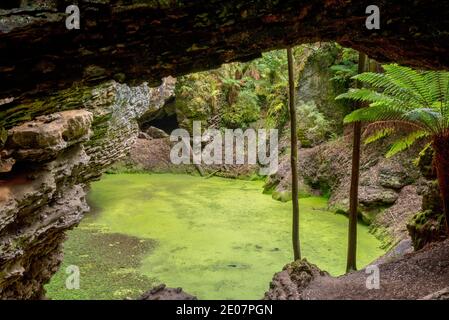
(40, 200)
(116, 108)
(44, 138)
(161, 292)
(294, 277)
(428, 224)
(148, 40)
(51, 161)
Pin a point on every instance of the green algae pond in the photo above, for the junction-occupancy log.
(216, 238)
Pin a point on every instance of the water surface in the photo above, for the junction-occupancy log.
(216, 238)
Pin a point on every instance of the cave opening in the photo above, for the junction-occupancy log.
(166, 123)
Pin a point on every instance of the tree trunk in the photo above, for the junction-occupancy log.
(441, 147)
(351, 263)
(293, 157)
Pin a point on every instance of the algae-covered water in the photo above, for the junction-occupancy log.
(216, 238)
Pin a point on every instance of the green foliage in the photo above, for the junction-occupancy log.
(345, 67)
(402, 100)
(377, 135)
(313, 127)
(240, 93)
(198, 94)
(244, 111)
(272, 87)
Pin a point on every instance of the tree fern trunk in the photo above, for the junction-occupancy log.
(293, 157)
(441, 147)
(351, 263)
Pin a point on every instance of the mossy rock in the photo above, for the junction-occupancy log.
(283, 196)
(365, 217)
(426, 227)
(3, 136)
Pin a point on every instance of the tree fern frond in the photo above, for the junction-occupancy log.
(404, 143)
(390, 87)
(402, 97)
(395, 125)
(377, 135)
(379, 112)
(437, 83)
(428, 118)
(410, 79)
(363, 95)
(422, 153)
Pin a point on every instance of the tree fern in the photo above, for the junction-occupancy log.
(402, 97)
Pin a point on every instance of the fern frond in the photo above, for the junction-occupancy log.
(403, 95)
(379, 112)
(437, 83)
(395, 125)
(428, 118)
(363, 95)
(411, 80)
(377, 135)
(390, 87)
(405, 143)
(422, 153)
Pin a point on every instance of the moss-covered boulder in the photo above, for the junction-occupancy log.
(426, 227)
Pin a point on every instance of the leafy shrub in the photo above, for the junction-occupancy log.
(313, 128)
(345, 67)
(243, 112)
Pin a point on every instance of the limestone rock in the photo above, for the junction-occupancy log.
(143, 135)
(45, 137)
(294, 277)
(393, 177)
(376, 196)
(156, 133)
(161, 292)
(426, 227)
(428, 224)
(6, 164)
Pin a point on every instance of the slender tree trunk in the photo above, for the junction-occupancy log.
(293, 157)
(351, 263)
(441, 146)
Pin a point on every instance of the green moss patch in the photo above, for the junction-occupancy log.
(107, 262)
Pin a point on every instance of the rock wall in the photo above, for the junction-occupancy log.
(315, 85)
(46, 165)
